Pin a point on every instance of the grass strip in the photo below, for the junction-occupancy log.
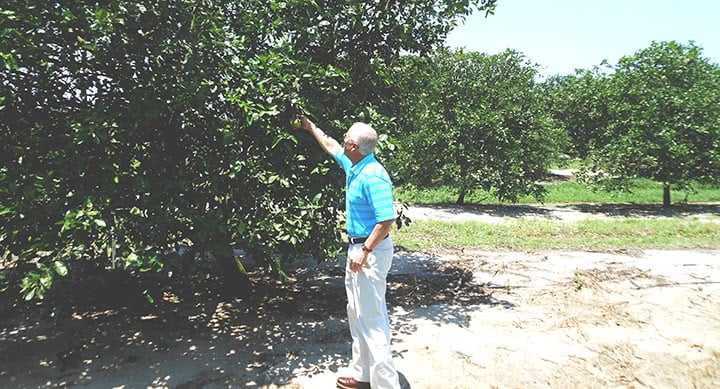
(596, 235)
(643, 192)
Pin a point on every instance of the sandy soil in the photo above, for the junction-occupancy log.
(563, 212)
(563, 320)
(631, 319)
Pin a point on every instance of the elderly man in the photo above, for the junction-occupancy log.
(370, 217)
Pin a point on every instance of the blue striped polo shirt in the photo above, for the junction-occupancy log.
(368, 194)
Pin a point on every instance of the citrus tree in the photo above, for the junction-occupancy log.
(473, 121)
(579, 104)
(130, 129)
(665, 120)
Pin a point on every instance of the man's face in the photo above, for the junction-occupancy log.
(349, 145)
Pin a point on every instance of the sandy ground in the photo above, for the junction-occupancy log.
(565, 320)
(631, 319)
(563, 212)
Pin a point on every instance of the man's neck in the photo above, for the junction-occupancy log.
(355, 159)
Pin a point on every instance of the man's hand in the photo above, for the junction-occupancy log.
(327, 143)
(306, 124)
(358, 260)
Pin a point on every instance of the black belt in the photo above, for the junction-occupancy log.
(362, 240)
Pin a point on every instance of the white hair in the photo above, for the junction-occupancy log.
(364, 135)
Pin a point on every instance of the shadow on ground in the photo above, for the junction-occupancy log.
(495, 210)
(646, 210)
(192, 337)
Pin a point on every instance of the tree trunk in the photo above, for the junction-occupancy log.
(666, 194)
(236, 283)
(461, 197)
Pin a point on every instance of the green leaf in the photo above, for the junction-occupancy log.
(46, 281)
(60, 268)
(29, 295)
(148, 297)
(132, 259)
(3, 282)
(100, 222)
(9, 61)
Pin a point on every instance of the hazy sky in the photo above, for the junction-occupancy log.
(562, 35)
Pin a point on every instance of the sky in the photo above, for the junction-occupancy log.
(562, 35)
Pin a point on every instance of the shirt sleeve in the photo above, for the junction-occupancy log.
(379, 195)
(342, 160)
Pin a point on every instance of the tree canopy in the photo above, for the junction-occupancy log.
(130, 128)
(664, 124)
(473, 121)
(579, 104)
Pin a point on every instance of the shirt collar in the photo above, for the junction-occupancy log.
(362, 163)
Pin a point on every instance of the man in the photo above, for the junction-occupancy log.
(369, 217)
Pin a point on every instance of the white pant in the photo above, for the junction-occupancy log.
(368, 318)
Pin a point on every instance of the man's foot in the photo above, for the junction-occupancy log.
(351, 383)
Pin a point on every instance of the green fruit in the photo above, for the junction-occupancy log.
(297, 123)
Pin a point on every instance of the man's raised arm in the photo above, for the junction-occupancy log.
(330, 145)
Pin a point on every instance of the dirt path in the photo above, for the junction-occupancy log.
(562, 212)
(564, 319)
(633, 319)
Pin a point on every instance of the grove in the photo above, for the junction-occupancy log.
(141, 136)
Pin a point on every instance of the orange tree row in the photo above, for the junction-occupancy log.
(476, 121)
(655, 114)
